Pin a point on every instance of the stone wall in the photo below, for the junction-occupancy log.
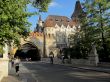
(4, 63)
(79, 62)
(3, 68)
(1, 75)
(74, 62)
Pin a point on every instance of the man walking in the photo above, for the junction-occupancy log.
(51, 55)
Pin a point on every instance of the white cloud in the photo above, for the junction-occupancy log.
(53, 4)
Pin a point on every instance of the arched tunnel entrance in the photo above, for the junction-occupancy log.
(29, 51)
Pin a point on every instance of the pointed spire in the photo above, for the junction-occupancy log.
(77, 10)
(40, 19)
(39, 24)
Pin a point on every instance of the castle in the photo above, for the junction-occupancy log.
(57, 30)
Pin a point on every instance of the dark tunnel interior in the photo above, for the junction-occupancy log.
(28, 51)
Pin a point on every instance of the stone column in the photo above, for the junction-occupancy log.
(5, 61)
(5, 49)
(93, 56)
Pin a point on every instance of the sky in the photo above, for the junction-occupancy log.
(56, 7)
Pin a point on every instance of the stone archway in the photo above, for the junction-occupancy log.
(29, 50)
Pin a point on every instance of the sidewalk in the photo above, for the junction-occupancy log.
(24, 75)
(93, 68)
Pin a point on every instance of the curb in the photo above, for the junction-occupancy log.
(85, 68)
(98, 70)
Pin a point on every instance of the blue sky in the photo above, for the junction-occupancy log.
(56, 7)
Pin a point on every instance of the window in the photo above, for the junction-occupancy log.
(56, 19)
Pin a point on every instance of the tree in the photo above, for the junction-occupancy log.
(41, 5)
(13, 18)
(98, 13)
(95, 28)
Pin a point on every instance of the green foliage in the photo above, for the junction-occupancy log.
(100, 11)
(1, 50)
(42, 5)
(13, 20)
(95, 28)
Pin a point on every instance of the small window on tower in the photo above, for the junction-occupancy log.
(56, 19)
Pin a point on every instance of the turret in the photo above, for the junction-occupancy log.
(39, 25)
(40, 22)
(77, 11)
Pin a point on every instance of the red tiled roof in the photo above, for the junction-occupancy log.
(52, 20)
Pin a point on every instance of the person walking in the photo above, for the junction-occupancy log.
(51, 55)
(62, 58)
(16, 64)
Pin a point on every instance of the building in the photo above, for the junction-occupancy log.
(58, 28)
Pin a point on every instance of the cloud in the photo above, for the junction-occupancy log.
(53, 4)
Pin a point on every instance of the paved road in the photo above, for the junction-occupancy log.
(45, 72)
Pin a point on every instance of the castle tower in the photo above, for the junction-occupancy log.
(39, 25)
(40, 22)
(77, 11)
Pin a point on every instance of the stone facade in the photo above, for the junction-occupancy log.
(57, 29)
(57, 33)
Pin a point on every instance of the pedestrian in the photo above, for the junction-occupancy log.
(51, 55)
(16, 64)
(12, 62)
(63, 57)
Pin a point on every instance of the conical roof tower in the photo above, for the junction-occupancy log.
(77, 11)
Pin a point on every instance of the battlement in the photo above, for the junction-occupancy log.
(32, 34)
(40, 35)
